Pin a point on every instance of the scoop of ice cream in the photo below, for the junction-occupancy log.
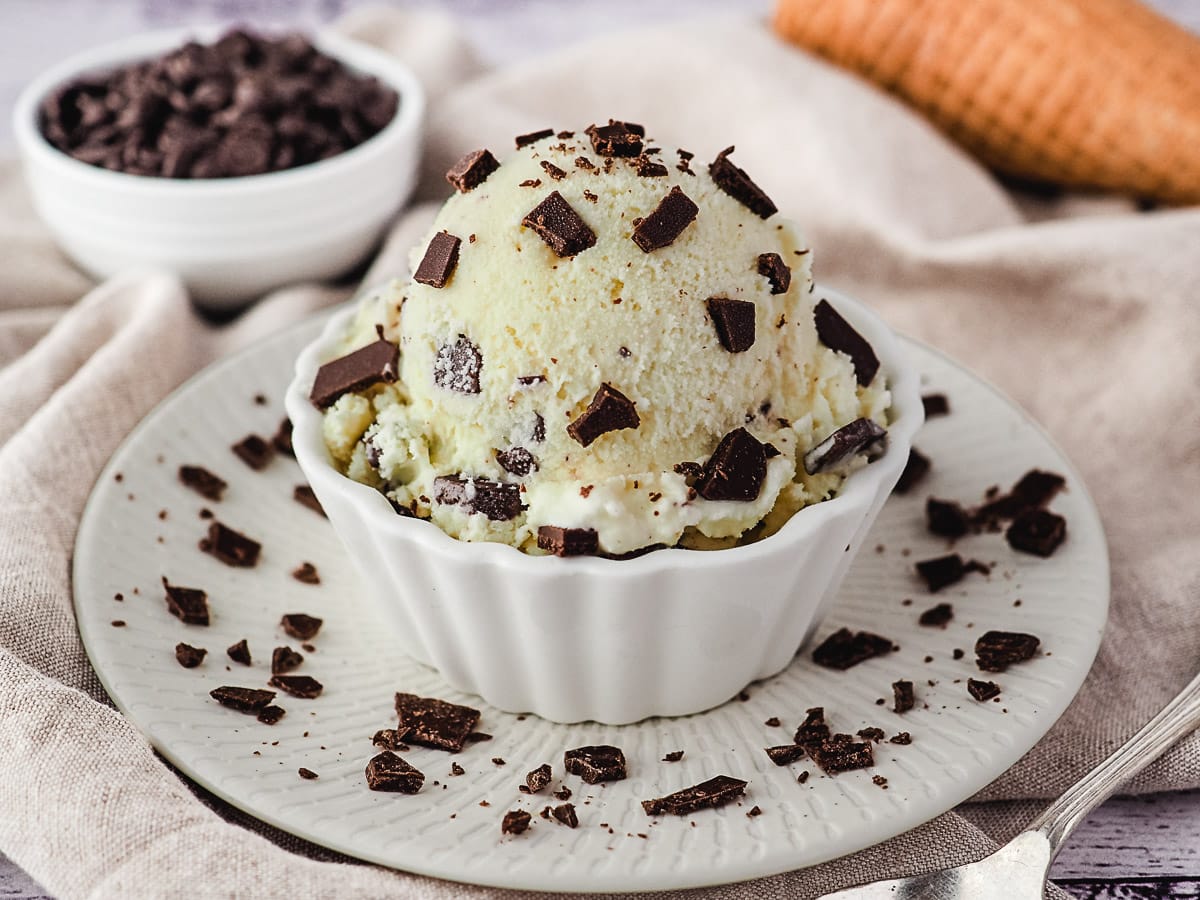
(604, 340)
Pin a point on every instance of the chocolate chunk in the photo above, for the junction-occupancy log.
(306, 573)
(302, 686)
(872, 734)
(841, 753)
(538, 778)
(1037, 531)
(376, 363)
(533, 137)
(839, 335)
(785, 754)
(284, 659)
(859, 436)
(556, 222)
(434, 723)
(389, 739)
(982, 690)
(616, 138)
(282, 441)
(595, 764)
(516, 461)
(239, 652)
(903, 738)
(307, 774)
(189, 605)
(1036, 488)
(902, 694)
(995, 651)
(300, 626)
(915, 469)
(230, 547)
(304, 495)
(937, 616)
(646, 167)
(388, 772)
(497, 500)
(674, 213)
(188, 656)
(935, 405)
(610, 410)
(844, 649)
(457, 366)
(254, 452)
(689, 470)
(472, 170)
(706, 795)
(456, 770)
(946, 518)
(269, 715)
(441, 257)
(202, 481)
(246, 700)
(552, 170)
(673, 756)
(813, 729)
(776, 271)
(734, 321)
(737, 184)
(567, 815)
(736, 469)
(945, 571)
(515, 822)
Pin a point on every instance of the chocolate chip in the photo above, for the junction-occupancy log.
(189, 605)
(937, 616)
(376, 363)
(982, 690)
(942, 571)
(738, 185)
(239, 652)
(434, 723)
(776, 271)
(269, 715)
(568, 541)
(734, 321)
(245, 700)
(839, 335)
(515, 822)
(303, 494)
(202, 481)
(995, 651)
(538, 778)
(472, 170)
(499, 501)
(649, 168)
(231, 547)
(859, 436)
(616, 138)
(785, 754)
(533, 137)
(566, 815)
(306, 573)
(282, 441)
(946, 518)
(902, 693)
(673, 756)
(707, 795)
(556, 222)
(596, 763)
(915, 469)
(300, 626)
(610, 410)
(441, 257)
(516, 461)
(307, 774)
(388, 772)
(302, 686)
(552, 170)
(188, 656)
(674, 213)
(935, 405)
(284, 659)
(736, 469)
(845, 648)
(1037, 531)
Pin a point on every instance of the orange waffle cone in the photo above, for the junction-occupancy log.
(1087, 93)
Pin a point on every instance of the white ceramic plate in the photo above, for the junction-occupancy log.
(125, 544)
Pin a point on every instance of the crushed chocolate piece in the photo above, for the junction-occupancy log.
(674, 213)
(552, 170)
(776, 271)
(440, 260)
(231, 547)
(307, 573)
(707, 795)
(754, 812)
(388, 772)
(915, 469)
(303, 686)
(802, 777)
(538, 778)
(592, 198)
(785, 753)
(595, 764)
(689, 470)
(937, 616)
(457, 366)
(903, 738)
(616, 138)
(203, 482)
(456, 769)
(472, 170)
(736, 470)
(871, 734)
(254, 452)
(269, 715)
(189, 605)
(844, 649)
(839, 335)
(282, 439)
(240, 652)
(531, 182)
(498, 761)
(533, 137)
(389, 739)
(246, 700)
(734, 322)
(982, 690)
(566, 815)
(946, 518)
(563, 793)
(1033, 490)
(942, 571)
(959, 653)
(307, 774)
(647, 167)
(859, 436)
(555, 221)
(609, 410)
(515, 822)
(995, 651)
(284, 659)
(516, 461)
(188, 656)
(1037, 531)
(304, 495)
(841, 753)
(813, 729)
(737, 184)
(376, 363)
(476, 737)
(568, 541)
(300, 626)
(582, 162)
(499, 501)
(434, 723)
(902, 692)
(772, 722)
(935, 405)
(673, 756)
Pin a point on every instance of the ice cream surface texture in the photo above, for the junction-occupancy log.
(606, 347)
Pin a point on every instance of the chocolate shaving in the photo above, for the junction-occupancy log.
(776, 271)
(707, 795)
(610, 410)
(231, 547)
(859, 436)
(844, 649)
(189, 605)
(440, 260)
(736, 469)
(472, 170)
(737, 184)
(674, 213)
(555, 221)
(499, 501)
(734, 322)
(376, 363)
(388, 772)
(839, 335)
(202, 481)
(434, 723)
(568, 541)
(596, 763)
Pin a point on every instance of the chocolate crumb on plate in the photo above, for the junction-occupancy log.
(434, 723)
(841, 753)
(476, 737)
(307, 774)
(300, 626)
(946, 518)
(388, 772)
(389, 739)
(563, 793)
(935, 405)
(284, 659)
(958, 653)
(472, 170)
(982, 690)
(942, 571)
(736, 469)
(707, 795)
(855, 437)
(733, 321)
(674, 213)
(269, 715)
(785, 754)
(306, 573)
(813, 729)
(871, 734)
(754, 811)
(515, 821)
(538, 778)
(844, 649)
(189, 605)
(231, 547)
(533, 137)
(772, 722)
(616, 138)
(456, 769)
(995, 651)
(609, 410)
(117, 623)
(254, 452)
(902, 692)
(776, 271)
(188, 656)
(239, 652)
(1037, 531)
(203, 482)
(879, 781)
(376, 363)
(282, 440)
(596, 763)
(304, 495)
(915, 469)
(303, 686)
(734, 181)
(568, 541)
(1033, 490)
(439, 261)
(555, 221)
(673, 756)
(903, 738)
(566, 815)
(937, 616)
(246, 700)
(802, 777)
(839, 335)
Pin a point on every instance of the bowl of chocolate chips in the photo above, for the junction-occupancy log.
(241, 161)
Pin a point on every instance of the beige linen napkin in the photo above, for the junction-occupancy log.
(1087, 319)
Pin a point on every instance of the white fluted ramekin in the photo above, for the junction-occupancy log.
(670, 633)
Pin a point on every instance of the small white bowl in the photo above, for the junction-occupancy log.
(230, 239)
(670, 633)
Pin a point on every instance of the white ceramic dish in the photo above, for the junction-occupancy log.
(230, 239)
(670, 633)
(958, 745)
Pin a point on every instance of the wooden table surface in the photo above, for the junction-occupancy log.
(1136, 847)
